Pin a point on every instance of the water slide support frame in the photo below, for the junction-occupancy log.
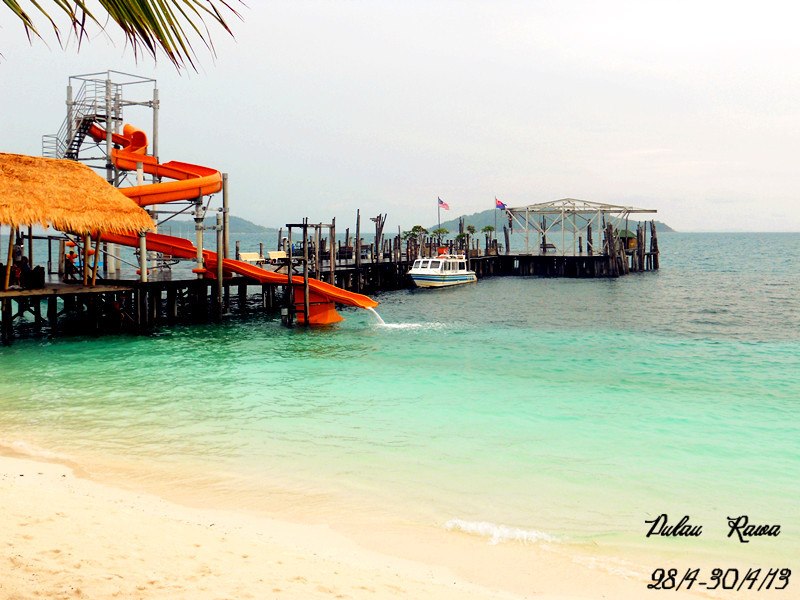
(305, 271)
(225, 220)
(143, 257)
(290, 283)
(198, 227)
(220, 242)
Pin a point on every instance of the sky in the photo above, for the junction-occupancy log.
(319, 108)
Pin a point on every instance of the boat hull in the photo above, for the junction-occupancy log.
(436, 281)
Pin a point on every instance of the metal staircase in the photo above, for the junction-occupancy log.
(90, 105)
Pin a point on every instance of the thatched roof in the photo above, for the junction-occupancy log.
(63, 194)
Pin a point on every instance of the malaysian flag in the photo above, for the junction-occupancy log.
(443, 204)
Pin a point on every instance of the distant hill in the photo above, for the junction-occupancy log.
(237, 225)
(493, 215)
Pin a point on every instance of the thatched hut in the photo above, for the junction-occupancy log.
(65, 195)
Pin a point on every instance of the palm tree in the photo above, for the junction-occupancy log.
(440, 233)
(415, 236)
(416, 232)
(147, 24)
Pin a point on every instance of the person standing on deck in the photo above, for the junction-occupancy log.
(18, 251)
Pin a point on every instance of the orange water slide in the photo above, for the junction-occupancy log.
(191, 181)
(322, 296)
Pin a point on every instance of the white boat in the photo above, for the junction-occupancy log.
(442, 271)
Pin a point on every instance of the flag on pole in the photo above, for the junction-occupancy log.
(498, 204)
(443, 204)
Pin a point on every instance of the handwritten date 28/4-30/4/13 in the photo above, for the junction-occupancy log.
(726, 579)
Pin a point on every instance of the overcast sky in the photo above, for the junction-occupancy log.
(319, 108)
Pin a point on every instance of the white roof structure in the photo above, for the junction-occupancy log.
(567, 215)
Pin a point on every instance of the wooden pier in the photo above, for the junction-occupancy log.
(138, 307)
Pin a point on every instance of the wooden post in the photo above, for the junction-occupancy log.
(357, 245)
(332, 250)
(62, 253)
(9, 259)
(52, 312)
(7, 318)
(640, 245)
(289, 282)
(117, 250)
(654, 244)
(624, 257)
(87, 242)
(305, 270)
(30, 245)
(611, 251)
(96, 258)
(507, 236)
(237, 250)
(172, 304)
(380, 221)
(220, 258)
(317, 256)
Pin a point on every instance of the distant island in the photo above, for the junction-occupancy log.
(236, 225)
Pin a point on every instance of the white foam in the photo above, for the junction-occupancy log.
(498, 533)
(427, 326)
(27, 449)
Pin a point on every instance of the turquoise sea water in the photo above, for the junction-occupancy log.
(571, 408)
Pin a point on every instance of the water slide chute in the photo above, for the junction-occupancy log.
(193, 181)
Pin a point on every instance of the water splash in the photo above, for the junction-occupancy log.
(377, 316)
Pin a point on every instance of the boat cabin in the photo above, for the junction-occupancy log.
(441, 264)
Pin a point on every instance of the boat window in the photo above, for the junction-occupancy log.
(446, 266)
(462, 265)
(425, 264)
(416, 264)
(435, 264)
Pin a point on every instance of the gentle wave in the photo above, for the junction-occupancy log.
(498, 533)
(26, 449)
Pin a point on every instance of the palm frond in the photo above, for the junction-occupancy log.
(148, 25)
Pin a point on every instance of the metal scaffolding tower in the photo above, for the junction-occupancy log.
(100, 98)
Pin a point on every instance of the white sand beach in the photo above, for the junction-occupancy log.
(65, 536)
